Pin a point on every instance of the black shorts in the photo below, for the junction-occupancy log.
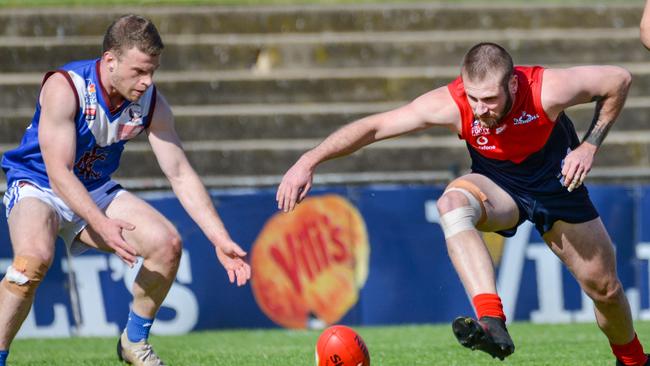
(544, 210)
(536, 183)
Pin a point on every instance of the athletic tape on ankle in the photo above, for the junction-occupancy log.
(24, 275)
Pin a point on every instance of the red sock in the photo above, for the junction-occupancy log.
(488, 305)
(630, 353)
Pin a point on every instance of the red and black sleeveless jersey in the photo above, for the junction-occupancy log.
(527, 150)
(524, 130)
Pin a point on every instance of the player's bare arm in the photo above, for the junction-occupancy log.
(605, 85)
(645, 25)
(191, 192)
(430, 109)
(57, 137)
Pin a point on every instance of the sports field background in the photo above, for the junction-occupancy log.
(579, 344)
(557, 345)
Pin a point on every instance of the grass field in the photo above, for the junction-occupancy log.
(86, 3)
(536, 345)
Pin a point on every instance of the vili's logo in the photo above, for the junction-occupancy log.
(311, 262)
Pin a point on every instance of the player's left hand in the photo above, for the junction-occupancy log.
(231, 257)
(577, 164)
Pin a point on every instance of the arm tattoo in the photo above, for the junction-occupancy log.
(598, 129)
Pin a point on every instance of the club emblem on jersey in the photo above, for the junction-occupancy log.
(90, 98)
(135, 113)
(85, 166)
(478, 129)
(525, 118)
(131, 122)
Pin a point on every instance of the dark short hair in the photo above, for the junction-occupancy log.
(130, 31)
(485, 59)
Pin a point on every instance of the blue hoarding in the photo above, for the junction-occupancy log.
(409, 276)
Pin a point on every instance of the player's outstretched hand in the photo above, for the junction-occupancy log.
(231, 257)
(577, 164)
(110, 230)
(295, 184)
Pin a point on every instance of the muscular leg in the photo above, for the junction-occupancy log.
(155, 239)
(466, 249)
(588, 253)
(33, 227)
(481, 204)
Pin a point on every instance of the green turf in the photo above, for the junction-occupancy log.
(36, 3)
(553, 345)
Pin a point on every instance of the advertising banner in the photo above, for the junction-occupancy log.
(360, 255)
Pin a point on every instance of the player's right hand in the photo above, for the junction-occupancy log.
(295, 185)
(232, 259)
(110, 230)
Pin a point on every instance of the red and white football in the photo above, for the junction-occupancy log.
(339, 345)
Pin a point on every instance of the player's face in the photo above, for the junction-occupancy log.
(489, 99)
(132, 73)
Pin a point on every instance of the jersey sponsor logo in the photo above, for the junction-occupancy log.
(525, 118)
(90, 98)
(131, 124)
(482, 140)
(84, 167)
(490, 147)
(482, 143)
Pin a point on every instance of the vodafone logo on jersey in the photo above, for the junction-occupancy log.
(482, 143)
(481, 133)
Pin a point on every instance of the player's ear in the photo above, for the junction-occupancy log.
(110, 59)
(513, 85)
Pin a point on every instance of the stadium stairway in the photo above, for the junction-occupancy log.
(254, 87)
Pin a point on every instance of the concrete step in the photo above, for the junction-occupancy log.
(263, 121)
(406, 154)
(299, 121)
(414, 153)
(322, 18)
(308, 87)
(598, 175)
(265, 52)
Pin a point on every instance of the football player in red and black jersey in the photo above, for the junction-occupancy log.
(527, 164)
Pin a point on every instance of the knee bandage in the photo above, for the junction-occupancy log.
(466, 217)
(24, 275)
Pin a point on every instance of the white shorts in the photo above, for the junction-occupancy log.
(70, 224)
